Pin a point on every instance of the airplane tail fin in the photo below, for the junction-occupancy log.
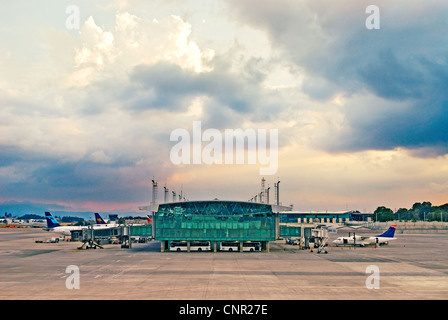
(51, 221)
(98, 219)
(390, 232)
(149, 218)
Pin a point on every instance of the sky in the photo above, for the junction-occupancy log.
(91, 92)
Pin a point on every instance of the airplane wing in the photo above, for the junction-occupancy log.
(355, 224)
(355, 227)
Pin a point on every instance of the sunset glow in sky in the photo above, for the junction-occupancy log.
(86, 113)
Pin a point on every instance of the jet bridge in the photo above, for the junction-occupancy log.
(94, 238)
(320, 235)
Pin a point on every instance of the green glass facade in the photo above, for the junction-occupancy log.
(215, 221)
(142, 231)
(290, 231)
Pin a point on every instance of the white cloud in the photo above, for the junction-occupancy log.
(134, 41)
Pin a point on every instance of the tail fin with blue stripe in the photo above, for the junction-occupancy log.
(51, 221)
(390, 232)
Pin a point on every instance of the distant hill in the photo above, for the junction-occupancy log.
(19, 208)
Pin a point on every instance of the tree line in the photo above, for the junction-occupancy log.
(420, 211)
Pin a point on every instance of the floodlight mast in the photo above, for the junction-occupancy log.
(267, 195)
(278, 193)
(263, 195)
(165, 195)
(154, 194)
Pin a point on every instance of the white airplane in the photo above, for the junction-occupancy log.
(101, 224)
(362, 241)
(53, 225)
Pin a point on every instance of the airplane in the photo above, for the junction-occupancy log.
(148, 218)
(101, 223)
(53, 225)
(362, 241)
(98, 219)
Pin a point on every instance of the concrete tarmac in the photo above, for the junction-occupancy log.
(411, 267)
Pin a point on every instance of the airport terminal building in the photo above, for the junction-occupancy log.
(231, 225)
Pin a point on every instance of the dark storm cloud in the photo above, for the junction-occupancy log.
(171, 88)
(10, 154)
(34, 173)
(168, 86)
(388, 78)
(418, 125)
(401, 69)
